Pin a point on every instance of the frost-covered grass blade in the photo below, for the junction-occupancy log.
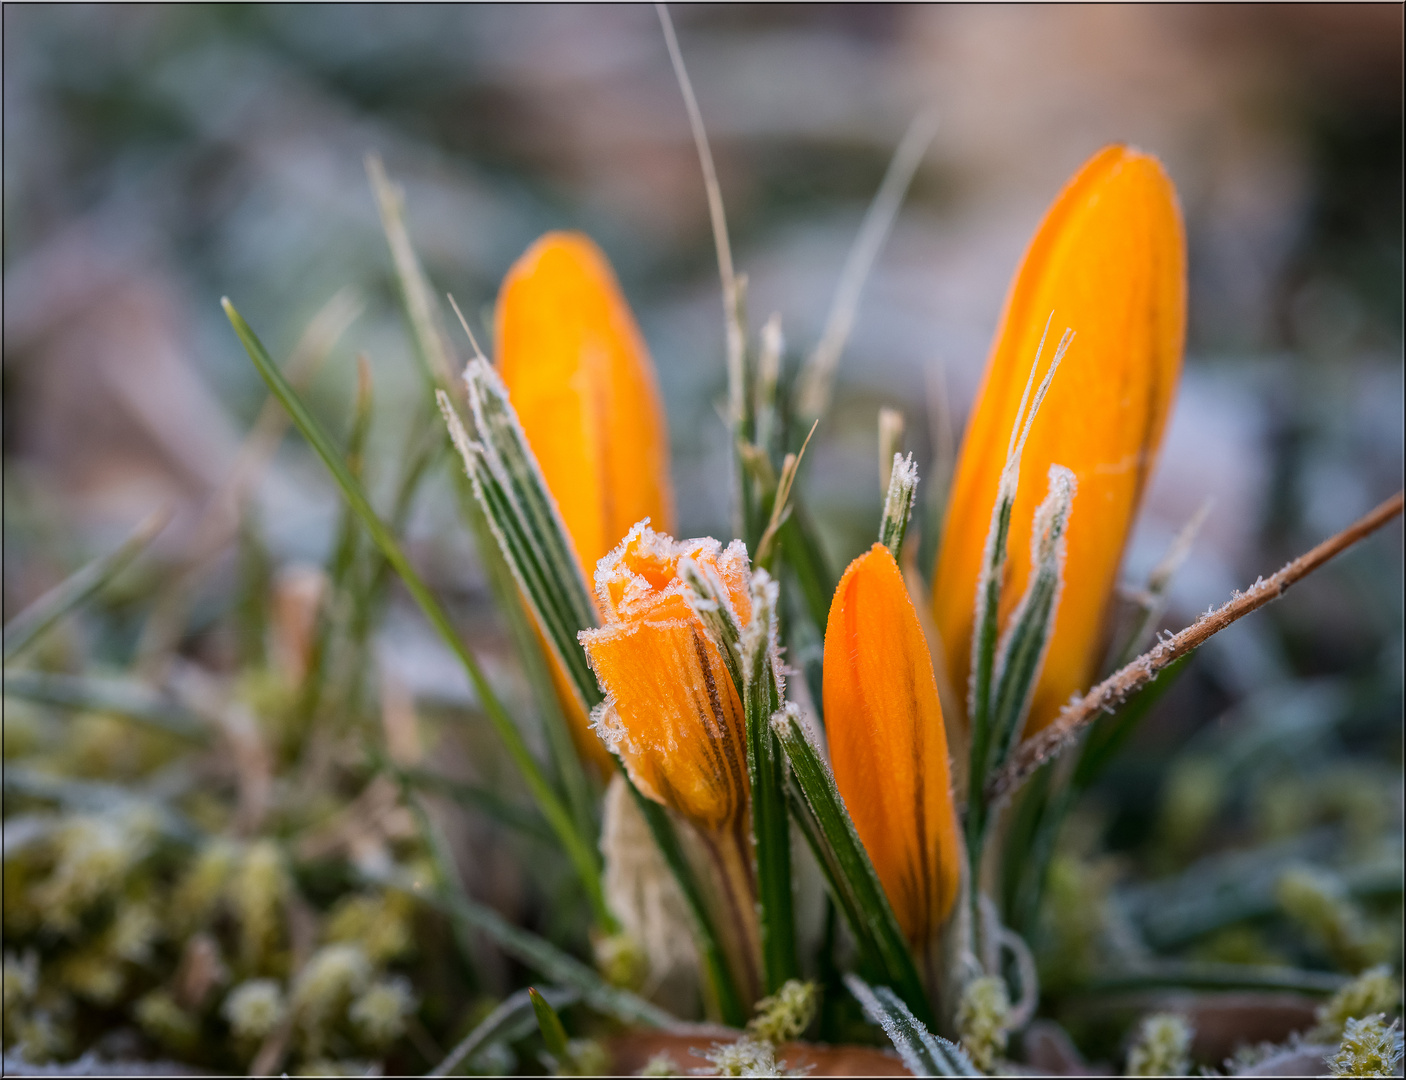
(821, 814)
(751, 657)
(535, 545)
(898, 505)
(524, 521)
(1022, 648)
(924, 1053)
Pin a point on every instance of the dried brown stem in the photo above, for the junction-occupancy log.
(1110, 693)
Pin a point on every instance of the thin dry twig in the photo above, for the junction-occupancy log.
(1108, 694)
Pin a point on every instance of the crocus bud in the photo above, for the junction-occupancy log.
(1108, 261)
(888, 746)
(580, 378)
(671, 710)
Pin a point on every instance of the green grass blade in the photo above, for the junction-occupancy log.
(525, 522)
(771, 830)
(988, 742)
(503, 1023)
(437, 359)
(431, 343)
(898, 503)
(1042, 808)
(804, 555)
(581, 794)
(468, 915)
(343, 557)
(856, 887)
(553, 1032)
(473, 796)
(117, 697)
(750, 656)
(31, 623)
(544, 957)
(533, 543)
(1022, 650)
(924, 1053)
(578, 849)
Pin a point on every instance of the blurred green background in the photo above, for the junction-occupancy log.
(157, 158)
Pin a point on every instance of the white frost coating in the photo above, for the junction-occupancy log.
(1052, 516)
(902, 490)
(606, 723)
(704, 588)
(760, 633)
(1047, 549)
(610, 570)
(908, 1034)
(468, 449)
(993, 562)
(484, 386)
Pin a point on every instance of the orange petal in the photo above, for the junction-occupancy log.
(888, 746)
(671, 710)
(580, 377)
(1109, 260)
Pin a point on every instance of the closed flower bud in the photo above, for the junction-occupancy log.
(888, 745)
(581, 380)
(671, 710)
(1109, 262)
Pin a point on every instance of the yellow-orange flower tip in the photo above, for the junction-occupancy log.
(581, 380)
(1109, 261)
(888, 746)
(671, 711)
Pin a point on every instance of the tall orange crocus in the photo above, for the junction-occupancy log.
(581, 380)
(671, 709)
(1108, 261)
(888, 745)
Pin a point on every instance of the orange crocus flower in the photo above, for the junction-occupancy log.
(1109, 261)
(581, 380)
(671, 710)
(888, 746)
